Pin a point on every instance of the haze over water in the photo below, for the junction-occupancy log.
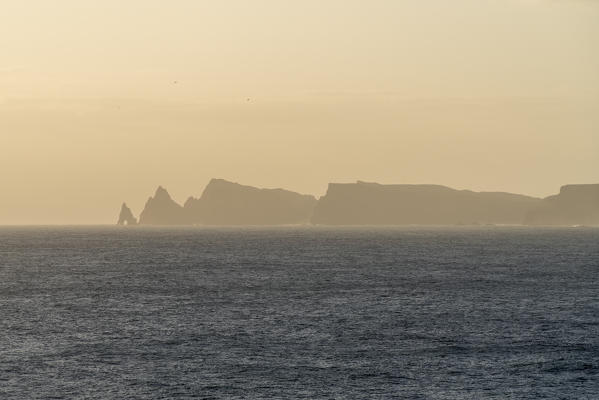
(304, 312)
(102, 101)
(297, 116)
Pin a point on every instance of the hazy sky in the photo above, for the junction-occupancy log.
(101, 101)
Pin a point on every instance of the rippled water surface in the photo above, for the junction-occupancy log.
(415, 313)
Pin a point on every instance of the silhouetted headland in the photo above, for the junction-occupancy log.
(363, 203)
(574, 205)
(162, 210)
(228, 203)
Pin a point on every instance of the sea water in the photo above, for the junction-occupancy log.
(299, 312)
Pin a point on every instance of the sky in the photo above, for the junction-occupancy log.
(102, 101)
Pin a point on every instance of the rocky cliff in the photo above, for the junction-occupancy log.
(364, 203)
(574, 205)
(161, 209)
(228, 203)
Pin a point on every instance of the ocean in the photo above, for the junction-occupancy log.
(299, 313)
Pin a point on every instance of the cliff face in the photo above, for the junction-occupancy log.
(361, 203)
(162, 210)
(364, 203)
(574, 205)
(228, 203)
(126, 216)
(193, 211)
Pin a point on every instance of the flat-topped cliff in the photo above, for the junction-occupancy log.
(574, 205)
(365, 203)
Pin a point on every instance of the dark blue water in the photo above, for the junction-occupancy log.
(415, 313)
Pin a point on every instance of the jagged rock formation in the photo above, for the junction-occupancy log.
(193, 210)
(228, 203)
(126, 216)
(364, 203)
(162, 210)
(574, 205)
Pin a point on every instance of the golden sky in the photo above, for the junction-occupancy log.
(102, 101)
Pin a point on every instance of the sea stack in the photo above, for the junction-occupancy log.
(126, 216)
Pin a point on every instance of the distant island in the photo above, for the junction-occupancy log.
(364, 203)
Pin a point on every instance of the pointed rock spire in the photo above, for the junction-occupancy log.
(162, 210)
(126, 216)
